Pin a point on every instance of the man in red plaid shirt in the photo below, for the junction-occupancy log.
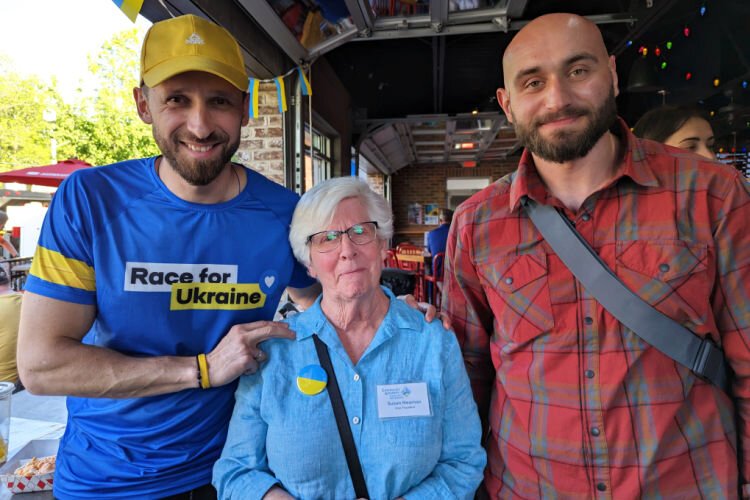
(577, 405)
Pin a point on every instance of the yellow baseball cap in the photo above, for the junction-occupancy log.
(191, 43)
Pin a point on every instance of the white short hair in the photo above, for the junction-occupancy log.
(315, 210)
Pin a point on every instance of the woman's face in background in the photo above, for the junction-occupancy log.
(695, 135)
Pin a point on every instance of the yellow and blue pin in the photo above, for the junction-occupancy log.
(312, 379)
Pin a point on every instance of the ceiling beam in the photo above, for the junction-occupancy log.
(407, 142)
(515, 148)
(438, 14)
(488, 137)
(264, 15)
(362, 15)
(437, 118)
(382, 158)
(333, 42)
(450, 129)
(466, 22)
(514, 8)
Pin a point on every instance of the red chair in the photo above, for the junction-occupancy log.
(436, 279)
(391, 260)
(402, 7)
(411, 258)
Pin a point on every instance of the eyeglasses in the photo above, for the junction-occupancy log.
(359, 234)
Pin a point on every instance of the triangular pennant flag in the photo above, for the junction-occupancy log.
(252, 89)
(131, 8)
(281, 91)
(304, 82)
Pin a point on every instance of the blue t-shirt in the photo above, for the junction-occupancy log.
(168, 277)
(280, 435)
(437, 238)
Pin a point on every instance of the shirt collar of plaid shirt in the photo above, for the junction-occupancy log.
(633, 164)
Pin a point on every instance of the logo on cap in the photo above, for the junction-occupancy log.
(195, 39)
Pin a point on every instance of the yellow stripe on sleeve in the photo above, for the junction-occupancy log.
(54, 267)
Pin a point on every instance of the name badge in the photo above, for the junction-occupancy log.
(403, 400)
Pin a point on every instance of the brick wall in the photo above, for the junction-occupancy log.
(262, 141)
(427, 184)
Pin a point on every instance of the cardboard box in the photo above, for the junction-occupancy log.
(22, 484)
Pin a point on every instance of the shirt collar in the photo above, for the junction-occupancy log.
(633, 164)
(314, 321)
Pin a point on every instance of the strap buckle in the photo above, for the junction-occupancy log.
(709, 364)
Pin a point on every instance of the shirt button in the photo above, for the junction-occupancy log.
(601, 487)
(356, 377)
(664, 267)
(588, 320)
(355, 420)
(594, 431)
(586, 217)
(589, 373)
(509, 281)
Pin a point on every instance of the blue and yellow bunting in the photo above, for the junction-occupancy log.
(252, 90)
(130, 8)
(281, 93)
(254, 86)
(304, 82)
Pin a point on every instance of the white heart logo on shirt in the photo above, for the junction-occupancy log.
(269, 280)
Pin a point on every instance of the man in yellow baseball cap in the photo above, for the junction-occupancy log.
(170, 267)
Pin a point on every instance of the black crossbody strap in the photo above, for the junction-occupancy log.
(342, 421)
(700, 355)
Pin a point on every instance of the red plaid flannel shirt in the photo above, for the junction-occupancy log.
(577, 404)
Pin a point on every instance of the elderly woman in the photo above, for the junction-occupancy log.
(405, 392)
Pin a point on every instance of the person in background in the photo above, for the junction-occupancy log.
(437, 237)
(5, 243)
(283, 441)
(578, 406)
(684, 127)
(10, 314)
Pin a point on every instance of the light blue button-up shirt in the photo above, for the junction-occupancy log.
(280, 435)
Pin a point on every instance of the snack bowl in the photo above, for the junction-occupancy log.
(22, 484)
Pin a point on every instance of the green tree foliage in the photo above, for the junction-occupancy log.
(101, 126)
(109, 127)
(24, 135)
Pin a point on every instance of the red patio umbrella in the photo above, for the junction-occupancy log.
(45, 175)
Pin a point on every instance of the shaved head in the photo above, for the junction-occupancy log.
(560, 87)
(551, 31)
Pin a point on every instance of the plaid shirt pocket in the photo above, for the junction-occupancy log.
(672, 276)
(517, 289)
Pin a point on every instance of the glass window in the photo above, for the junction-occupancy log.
(317, 158)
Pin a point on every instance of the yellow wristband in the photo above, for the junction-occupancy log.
(203, 368)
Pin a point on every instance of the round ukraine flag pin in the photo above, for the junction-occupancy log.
(312, 379)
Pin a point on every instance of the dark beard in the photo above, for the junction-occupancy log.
(200, 173)
(569, 146)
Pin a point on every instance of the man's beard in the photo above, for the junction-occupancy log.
(567, 146)
(197, 172)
